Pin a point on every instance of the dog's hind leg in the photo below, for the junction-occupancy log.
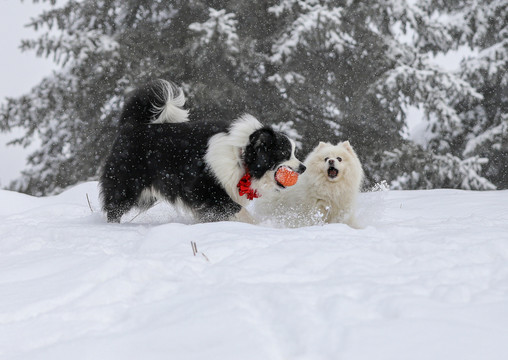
(219, 212)
(116, 209)
(119, 199)
(115, 215)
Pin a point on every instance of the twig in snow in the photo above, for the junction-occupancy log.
(89, 205)
(195, 251)
(142, 210)
(139, 213)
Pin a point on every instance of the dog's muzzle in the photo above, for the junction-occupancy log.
(333, 172)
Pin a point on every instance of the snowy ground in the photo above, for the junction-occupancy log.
(426, 279)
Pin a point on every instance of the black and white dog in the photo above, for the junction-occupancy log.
(212, 167)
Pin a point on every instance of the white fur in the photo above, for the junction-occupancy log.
(171, 111)
(224, 154)
(316, 198)
(147, 198)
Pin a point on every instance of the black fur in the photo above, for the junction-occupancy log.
(170, 158)
(265, 151)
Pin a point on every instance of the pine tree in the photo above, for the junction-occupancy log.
(348, 73)
(105, 48)
(323, 70)
(476, 141)
(485, 131)
(418, 168)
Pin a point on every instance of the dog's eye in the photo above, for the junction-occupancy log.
(326, 159)
(339, 158)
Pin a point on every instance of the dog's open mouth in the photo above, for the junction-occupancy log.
(280, 185)
(333, 172)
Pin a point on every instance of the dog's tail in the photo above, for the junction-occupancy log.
(157, 102)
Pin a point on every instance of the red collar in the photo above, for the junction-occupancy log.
(244, 187)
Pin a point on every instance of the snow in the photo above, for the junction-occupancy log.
(219, 23)
(498, 133)
(427, 278)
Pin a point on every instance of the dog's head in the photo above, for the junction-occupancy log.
(268, 150)
(334, 162)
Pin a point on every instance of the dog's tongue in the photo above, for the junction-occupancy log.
(333, 172)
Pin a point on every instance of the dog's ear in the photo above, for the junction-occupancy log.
(256, 155)
(321, 145)
(261, 139)
(348, 146)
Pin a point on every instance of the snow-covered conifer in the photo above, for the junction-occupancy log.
(332, 70)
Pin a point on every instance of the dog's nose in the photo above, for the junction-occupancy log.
(301, 169)
(331, 161)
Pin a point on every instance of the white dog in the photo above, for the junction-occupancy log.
(326, 193)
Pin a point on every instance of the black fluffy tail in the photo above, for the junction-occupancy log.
(157, 102)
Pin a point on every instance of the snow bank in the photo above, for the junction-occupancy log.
(427, 279)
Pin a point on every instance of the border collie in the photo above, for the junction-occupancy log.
(212, 167)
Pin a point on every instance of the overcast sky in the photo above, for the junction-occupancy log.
(19, 73)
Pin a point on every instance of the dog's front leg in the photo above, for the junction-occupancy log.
(324, 211)
(244, 216)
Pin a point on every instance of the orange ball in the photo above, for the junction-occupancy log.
(286, 176)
